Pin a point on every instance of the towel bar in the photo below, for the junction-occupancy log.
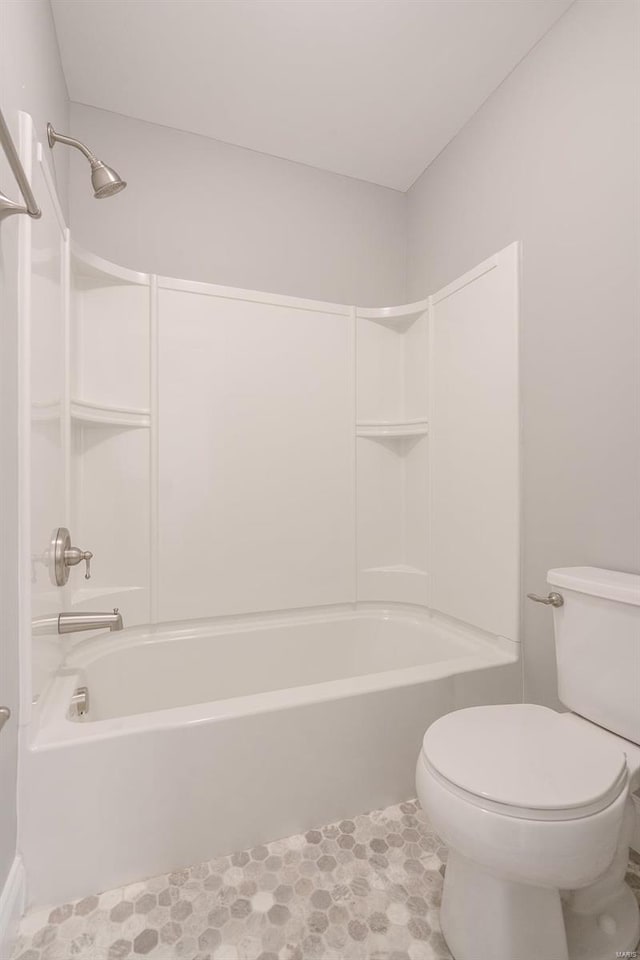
(7, 206)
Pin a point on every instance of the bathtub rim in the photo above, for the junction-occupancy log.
(81, 654)
(53, 728)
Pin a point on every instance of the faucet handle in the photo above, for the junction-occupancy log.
(73, 555)
(62, 556)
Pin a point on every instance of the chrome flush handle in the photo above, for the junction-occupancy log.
(552, 599)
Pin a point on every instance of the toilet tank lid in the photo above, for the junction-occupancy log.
(609, 584)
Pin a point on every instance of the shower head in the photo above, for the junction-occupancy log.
(105, 180)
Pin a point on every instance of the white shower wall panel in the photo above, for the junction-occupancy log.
(43, 295)
(110, 341)
(263, 518)
(416, 501)
(475, 447)
(111, 514)
(380, 367)
(381, 503)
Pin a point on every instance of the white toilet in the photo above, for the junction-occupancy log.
(534, 805)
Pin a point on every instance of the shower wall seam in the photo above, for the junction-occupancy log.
(154, 403)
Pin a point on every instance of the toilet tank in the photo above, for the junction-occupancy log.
(597, 632)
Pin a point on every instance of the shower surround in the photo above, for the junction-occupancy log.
(308, 515)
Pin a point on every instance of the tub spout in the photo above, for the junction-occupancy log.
(76, 622)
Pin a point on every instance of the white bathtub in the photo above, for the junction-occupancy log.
(202, 739)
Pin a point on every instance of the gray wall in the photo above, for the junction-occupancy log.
(204, 210)
(552, 159)
(30, 79)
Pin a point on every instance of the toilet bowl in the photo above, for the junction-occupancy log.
(534, 806)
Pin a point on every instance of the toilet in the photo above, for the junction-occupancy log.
(535, 805)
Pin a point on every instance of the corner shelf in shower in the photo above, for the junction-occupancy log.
(399, 317)
(398, 568)
(82, 411)
(99, 272)
(392, 429)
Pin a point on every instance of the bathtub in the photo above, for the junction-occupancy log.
(208, 737)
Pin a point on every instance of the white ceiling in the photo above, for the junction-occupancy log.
(372, 89)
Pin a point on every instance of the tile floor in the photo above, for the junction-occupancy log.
(362, 889)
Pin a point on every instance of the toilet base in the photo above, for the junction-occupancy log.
(613, 930)
(484, 917)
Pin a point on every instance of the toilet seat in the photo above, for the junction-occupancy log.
(524, 761)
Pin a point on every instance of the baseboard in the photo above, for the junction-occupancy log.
(12, 903)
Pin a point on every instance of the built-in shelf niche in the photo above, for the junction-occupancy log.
(392, 453)
(392, 532)
(110, 339)
(87, 413)
(389, 430)
(392, 365)
(110, 418)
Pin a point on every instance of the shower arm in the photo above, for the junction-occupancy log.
(54, 138)
(105, 180)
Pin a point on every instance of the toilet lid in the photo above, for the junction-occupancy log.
(525, 756)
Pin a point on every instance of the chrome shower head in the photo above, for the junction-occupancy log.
(106, 182)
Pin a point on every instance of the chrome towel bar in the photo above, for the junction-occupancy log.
(9, 207)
